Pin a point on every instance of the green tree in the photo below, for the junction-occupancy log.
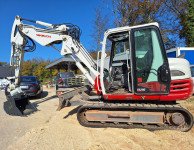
(170, 14)
(36, 67)
(41, 72)
(27, 69)
(187, 31)
(178, 15)
(3, 64)
(130, 12)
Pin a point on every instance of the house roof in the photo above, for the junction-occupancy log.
(62, 63)
(6, 72)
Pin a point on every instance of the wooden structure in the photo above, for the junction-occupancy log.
(65, 62)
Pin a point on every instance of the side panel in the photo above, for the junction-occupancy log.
(180, 90)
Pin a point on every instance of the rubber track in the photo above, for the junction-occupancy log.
(129, 107)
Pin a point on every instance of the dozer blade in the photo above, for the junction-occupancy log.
(21, 107)
(72, 96)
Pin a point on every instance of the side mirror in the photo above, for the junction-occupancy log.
(164, 73)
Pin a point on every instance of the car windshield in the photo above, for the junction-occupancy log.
(67, 75)
(192, 71)
(28, 79)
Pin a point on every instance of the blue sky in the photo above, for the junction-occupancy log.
(78, 12)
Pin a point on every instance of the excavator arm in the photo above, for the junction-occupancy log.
(22, 39)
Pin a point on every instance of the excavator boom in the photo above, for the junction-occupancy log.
(22, 39)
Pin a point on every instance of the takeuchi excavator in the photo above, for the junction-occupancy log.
(137, 86)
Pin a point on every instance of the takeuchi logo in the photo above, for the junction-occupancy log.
(42, 35)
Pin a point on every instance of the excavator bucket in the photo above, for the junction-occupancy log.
(21, 107)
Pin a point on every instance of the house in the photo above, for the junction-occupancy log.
(6, 72)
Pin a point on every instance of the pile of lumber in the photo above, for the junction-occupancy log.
(75, 81)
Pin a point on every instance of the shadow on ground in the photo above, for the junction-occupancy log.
(43, 95)
(73, 111)
(43, 99)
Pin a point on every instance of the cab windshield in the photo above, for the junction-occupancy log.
(28, 79)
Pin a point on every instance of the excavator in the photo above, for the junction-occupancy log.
(137, 86)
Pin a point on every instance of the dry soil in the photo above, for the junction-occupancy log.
(48, 129)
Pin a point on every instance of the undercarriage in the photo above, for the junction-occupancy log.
(151, 115)
(135, 115)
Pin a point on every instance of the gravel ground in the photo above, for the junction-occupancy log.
(48, 129)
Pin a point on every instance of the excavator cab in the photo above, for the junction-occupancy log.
(138, 63)
(150, 65)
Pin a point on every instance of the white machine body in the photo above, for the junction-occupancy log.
(55, 34)
(179, 65)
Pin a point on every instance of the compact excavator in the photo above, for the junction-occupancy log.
(137, 86)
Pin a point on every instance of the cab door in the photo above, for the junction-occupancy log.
(151, 74)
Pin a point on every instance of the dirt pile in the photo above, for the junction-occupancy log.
(62, 131)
